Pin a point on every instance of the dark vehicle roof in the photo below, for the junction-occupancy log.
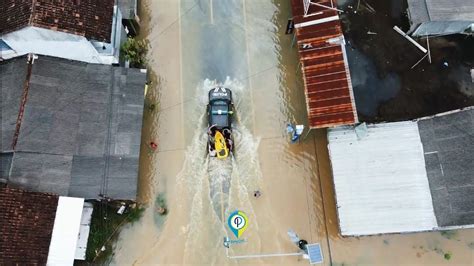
(222, 120)
(219, 100)
(220, 94)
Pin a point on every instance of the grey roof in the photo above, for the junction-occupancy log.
(11, 77)
(443, 28)
(81, 122)
(5, 165)
(448, 144)
(421, 11)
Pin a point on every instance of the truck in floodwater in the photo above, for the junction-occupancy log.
(220, 110)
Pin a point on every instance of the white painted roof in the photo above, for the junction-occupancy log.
(52, 43)
(62, 247)
(380, 180)
(84, 231)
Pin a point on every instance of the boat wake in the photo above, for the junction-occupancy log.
(208, 189)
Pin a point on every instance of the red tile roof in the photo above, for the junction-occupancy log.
(329, 97)
(89, 18)
(26, 225)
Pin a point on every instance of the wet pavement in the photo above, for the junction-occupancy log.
(196, 44)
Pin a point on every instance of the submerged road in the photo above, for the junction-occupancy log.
(241, 43)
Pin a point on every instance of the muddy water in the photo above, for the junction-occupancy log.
(196, 44)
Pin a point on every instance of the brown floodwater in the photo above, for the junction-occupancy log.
(196, 44)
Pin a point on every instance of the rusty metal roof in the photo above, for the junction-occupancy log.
(328, 88)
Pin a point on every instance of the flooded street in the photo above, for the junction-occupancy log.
(195, 45)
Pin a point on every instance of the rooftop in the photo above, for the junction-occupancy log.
(448, 144)
(329, 97)
(440, 10)
(405, 176)
(26, 227)
(88, 18)
(81, 128)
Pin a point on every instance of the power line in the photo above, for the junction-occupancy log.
(196, 97)
(174, 22)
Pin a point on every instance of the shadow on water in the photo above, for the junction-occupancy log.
(398, 90)
(370, 90)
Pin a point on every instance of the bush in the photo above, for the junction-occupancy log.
(135, 51)
(447, 256)
(103, 231)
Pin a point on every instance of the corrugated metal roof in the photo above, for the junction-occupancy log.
(443, 28)
(81, 130)
(380, 180)
(450, 10)
(440, 10)
(329, 97)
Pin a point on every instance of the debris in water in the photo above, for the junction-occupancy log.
(151, 107)
(447, 256)
(153, 145)
(121, 209)
(161, 210)
(294, 131)
(257, 193)
(160, 205)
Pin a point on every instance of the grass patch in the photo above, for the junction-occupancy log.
(450, 234)
(105, 224)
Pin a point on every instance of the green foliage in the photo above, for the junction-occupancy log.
(447, 256)
(161, 200)
(105, 224)
(449, 234)
(135, 215)
(135, 51)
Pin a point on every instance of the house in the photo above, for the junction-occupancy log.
(71, 128)
(403, 177)
(41, 228)
(322, 54)
(87, 30)
(441, 17)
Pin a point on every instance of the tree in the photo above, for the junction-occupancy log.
(135, 51)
